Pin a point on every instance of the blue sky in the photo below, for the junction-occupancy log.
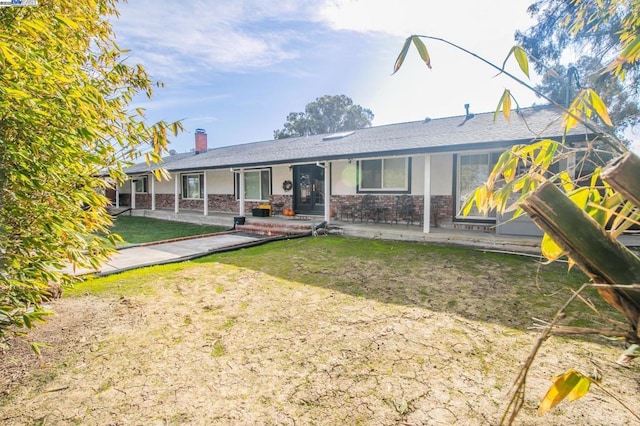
(237, 68)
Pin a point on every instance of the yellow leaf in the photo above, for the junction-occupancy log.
(580, 197)
(600, 107)
(521, 57)
(402, 55)
(550, 249)
(505, 105)
(567, 182)
(571, 385)
(422, 50)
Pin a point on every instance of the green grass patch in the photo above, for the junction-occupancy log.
(505, 289)
(138, 229)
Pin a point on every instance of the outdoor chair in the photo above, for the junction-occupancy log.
(366, 210)
(405, 210)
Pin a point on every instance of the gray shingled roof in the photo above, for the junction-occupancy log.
(428, 136)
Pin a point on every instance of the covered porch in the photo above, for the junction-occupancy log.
(400, 231)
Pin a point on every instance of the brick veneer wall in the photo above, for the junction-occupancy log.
(165, 201)
(442, 211)
(286, 200)
(143, 201)
(223, 203)
(441, 207)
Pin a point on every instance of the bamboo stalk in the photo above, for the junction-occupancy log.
(597, 253)
(623, 174)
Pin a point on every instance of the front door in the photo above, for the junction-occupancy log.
(308, 184)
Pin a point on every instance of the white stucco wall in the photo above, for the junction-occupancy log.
(343, 177)
(441, 174)
(278, 175)
(220, 182)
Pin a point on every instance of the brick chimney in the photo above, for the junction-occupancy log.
(201, 141)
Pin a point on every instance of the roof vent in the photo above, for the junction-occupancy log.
(172, 152)
(426, 120)
(468, 115)
(337, 136)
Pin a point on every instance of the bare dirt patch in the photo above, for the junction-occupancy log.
(223, 343)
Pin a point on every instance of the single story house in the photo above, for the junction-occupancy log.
(435, 162)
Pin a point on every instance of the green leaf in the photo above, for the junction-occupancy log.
(422, 50)
(571, 385)
(521, 57)
(600, 107)
(402, 55)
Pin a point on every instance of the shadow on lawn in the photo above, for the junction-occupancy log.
(503, 289)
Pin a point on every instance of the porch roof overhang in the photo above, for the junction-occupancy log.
(453, 134)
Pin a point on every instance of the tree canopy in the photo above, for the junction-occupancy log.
(562, 83)
(66, 131)
(603, 29)
(328, 114)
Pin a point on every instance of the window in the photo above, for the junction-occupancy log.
(473, 171)
(385, 174)
(193, 186)
(140, 184)
(257, 184)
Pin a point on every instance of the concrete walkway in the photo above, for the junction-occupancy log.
(172, 251)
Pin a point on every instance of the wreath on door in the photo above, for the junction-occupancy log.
(287, 185)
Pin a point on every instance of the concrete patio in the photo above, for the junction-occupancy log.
(383, 231)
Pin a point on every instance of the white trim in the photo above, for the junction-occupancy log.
(133, 194)
(205, 210)
(153, 192)
(117, 196)
(426, 216)
(176, 193)
(327, 191)
(241, 192)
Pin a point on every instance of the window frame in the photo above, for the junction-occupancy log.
(406, 189)
(492, 157)
(262, 186)
(184, 185)
(145, 184)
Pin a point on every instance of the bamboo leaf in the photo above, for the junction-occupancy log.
(402, 55)
(550, 249)
(567, 182)
(580, 197)
(422, 50)
(504, 105)
(571, 385)
(521, 57)
(600, 108)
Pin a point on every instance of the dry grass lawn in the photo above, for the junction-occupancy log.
(322, 331)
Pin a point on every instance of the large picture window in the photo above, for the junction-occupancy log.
(193, 186)
(473, 171)
(257, 184)
(384, 174)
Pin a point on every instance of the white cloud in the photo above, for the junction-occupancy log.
(182, 37)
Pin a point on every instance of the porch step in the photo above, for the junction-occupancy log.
(482, 227)
(274, 228)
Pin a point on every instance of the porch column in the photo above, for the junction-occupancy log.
(133, 194)
(427, 194)
(176, 193)
(327, 191)
(153, 191)
(117, 196)
(206, 197)
(241, 194)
